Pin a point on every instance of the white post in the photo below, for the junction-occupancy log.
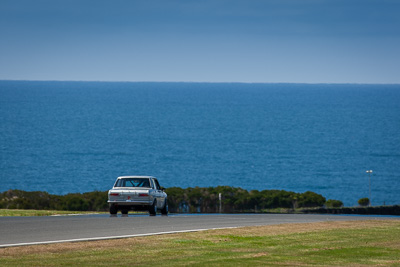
(220, 202)
(369, 174)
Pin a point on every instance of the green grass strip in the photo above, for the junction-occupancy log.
(356, 243)
(17, 212)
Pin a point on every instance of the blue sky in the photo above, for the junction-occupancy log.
(310, 41)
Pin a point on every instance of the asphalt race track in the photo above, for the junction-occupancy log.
(19, 231)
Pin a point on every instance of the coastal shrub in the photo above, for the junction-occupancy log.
(363, 202)
(194, 196)
(18, 199)
(253, 199)
(271, 199)
(237, 199)
(75, 202)
(332, 203)
(311, 199)
(175, 198)
(96, 201)
(192, 199)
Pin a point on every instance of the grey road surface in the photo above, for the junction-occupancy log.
(19, 231)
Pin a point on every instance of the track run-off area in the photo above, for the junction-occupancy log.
(22, 231)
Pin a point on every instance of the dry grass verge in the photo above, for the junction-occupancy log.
(359, 243)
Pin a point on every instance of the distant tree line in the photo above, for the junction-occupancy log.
(197, 199)
(234, 199)
(18, 199)
(376, 210)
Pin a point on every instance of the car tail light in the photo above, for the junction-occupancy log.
(143, 195)
(114, 194)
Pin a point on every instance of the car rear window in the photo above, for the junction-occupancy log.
(133, 182)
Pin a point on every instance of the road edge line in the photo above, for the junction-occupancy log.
(108, 237)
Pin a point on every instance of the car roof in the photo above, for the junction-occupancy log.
(136, 176)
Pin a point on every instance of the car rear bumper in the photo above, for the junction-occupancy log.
(130, 203)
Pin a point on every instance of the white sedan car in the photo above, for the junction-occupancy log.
(138, 193)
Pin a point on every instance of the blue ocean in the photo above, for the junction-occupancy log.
(65, 137)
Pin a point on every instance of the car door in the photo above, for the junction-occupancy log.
(159, 194)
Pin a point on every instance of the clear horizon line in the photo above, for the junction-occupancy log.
(206, 82)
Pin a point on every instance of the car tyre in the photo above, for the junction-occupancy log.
(164, 211)
(113, 210)
(153, 209)
(124, 211)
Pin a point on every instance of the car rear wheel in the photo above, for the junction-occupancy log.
(153, 209)
(164, 211)
(113, 210)
(124, 211)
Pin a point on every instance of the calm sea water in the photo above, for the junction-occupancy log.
(65, 137)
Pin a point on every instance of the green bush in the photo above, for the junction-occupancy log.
(197, 199)
(17, 199)
(311, 199)
(332, 203)
(175, 197)
(363, 202)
